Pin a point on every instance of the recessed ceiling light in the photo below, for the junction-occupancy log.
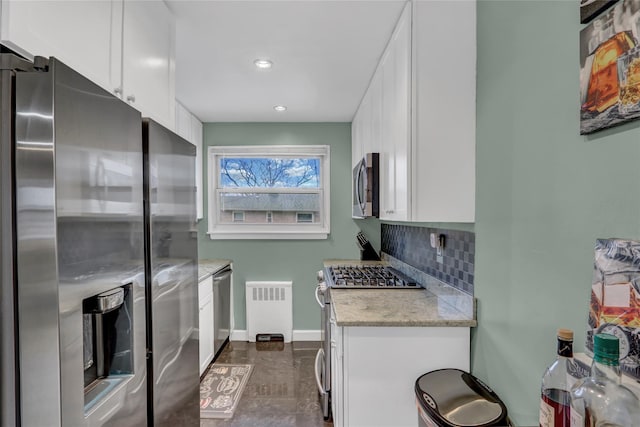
(263, 63)
(280, 108)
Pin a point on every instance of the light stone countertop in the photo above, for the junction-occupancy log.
(438, 304)
(206, 267)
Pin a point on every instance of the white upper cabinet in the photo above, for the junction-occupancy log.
(419, 114)
(190, 128)
(79, 33)
(125, 46)
(395, 142)
(444, 111)
(148, 60)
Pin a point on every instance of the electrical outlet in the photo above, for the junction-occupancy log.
(439, 248)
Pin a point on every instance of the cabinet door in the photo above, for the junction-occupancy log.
(356, 137)
(148, 56)
(337, 379)
(196, 138)
(394, 357)
(395, 141)
(366, 125)
(375, 142)
(206, 332)
(184, 127)
(85, 35)
(205, 299)
(399, 115)
(444, 113)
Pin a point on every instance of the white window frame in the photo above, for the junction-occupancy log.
(269, 217)
(293, 231)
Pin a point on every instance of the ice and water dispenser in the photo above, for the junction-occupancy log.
(107, 342)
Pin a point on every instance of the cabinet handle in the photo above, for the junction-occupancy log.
(118, 91)
(131, 98)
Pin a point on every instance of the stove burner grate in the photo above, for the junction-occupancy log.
(369, 276)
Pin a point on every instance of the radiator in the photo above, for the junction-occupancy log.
(269, 309)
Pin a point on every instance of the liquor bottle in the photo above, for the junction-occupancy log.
(557, 383)
(601, 399)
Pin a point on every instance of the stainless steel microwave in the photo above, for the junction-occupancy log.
(366, 182)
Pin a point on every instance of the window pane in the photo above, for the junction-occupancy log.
(237, 216)
(269, 172)
(285, 208)
(305, 217)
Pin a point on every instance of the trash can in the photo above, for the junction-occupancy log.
(455, 398)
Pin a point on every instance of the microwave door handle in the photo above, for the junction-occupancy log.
(361, 202)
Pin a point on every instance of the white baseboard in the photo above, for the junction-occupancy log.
(306, 335)
(298, 335)
(238, 335)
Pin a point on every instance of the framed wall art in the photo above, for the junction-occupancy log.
(610, 68)
(589, 9)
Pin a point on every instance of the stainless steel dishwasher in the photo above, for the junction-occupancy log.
(221, 308)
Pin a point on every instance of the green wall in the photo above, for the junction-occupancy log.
(544, 194)
(296, 260)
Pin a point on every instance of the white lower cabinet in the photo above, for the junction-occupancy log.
(374, 370)
(205, 298)
(337, 395)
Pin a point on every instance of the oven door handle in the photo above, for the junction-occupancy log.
(319, 360)
(319, 287)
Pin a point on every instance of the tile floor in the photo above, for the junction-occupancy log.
(281, 391)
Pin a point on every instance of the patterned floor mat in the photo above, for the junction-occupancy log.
(221, 389)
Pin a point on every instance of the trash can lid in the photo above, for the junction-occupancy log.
(458, 398)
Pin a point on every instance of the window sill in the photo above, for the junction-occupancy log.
(253, 235)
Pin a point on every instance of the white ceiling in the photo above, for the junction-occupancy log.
(324, 54)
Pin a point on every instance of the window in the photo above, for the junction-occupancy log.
(304, 217)
(269, 192)
(238, 216)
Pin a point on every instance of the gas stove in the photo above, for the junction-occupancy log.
(367, 277)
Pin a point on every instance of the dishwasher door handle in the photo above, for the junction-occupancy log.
(221, 275)
(319, 359)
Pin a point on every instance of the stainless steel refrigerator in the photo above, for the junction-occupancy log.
(172, 289)
(72, 230)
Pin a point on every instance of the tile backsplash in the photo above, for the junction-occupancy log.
(412, 246)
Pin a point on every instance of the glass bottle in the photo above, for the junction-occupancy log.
(557, 383)
(600, 400)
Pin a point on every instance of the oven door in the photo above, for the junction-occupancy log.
(323, 356)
